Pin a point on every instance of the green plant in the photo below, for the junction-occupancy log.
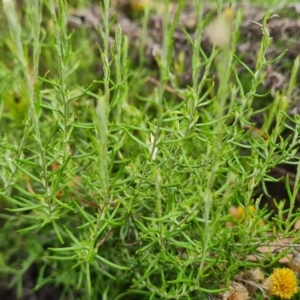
(116, 190)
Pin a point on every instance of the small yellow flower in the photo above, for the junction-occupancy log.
(242, 212)
(239, 213)
(137, 5)
(283, 283)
